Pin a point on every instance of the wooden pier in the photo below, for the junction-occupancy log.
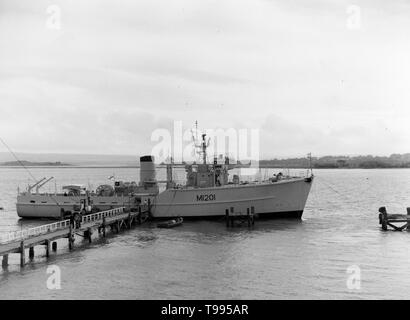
(389, 220)
(46, 235)
(231, 216)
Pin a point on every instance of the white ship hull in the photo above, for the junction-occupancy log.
(286, 198)
(49, 206)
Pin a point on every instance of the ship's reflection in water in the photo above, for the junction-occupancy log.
(298, 259)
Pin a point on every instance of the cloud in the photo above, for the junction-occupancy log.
(114, 73)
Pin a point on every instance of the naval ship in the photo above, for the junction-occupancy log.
(208, 192)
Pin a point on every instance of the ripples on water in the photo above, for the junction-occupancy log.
(277, 259)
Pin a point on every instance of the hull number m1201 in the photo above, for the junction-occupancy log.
(205, 197)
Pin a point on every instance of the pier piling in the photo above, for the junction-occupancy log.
(248, 217)
(31, 253)
(408, 220)
(22, 254)
(47, 245)
(103, 227)
(70, 238)
(88, 234)
(129, 220)
(139, 217)
(5, 261)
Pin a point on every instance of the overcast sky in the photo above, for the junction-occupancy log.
(117, 70)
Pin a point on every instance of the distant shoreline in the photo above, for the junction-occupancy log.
(326, 162)
(162, 166)
(70, 167)
(25, 163)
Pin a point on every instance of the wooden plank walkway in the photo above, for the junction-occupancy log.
(18, 241)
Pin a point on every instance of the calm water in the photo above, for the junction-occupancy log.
(277, 259)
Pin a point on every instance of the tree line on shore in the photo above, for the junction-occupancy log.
(329, 162)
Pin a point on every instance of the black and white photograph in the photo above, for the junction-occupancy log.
(229, 150)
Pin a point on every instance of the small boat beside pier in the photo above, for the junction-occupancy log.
(171, 223)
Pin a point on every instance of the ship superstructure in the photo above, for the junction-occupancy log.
(61, 204)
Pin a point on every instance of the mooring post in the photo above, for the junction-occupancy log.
(408, 217)
(384, 222)
(227, 217)
(5, 261)
(248, 216)
(383, 218)
(31, 253)
(47, 244)
(22, 254)
(54, 246)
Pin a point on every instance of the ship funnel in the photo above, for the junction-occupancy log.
(147, 169)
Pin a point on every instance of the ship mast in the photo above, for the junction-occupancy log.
(204, 148)
(204, 144)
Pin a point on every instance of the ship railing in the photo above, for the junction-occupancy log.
(297, 174)
(52, 227)
(290, 173)
(36, 231)
(102, 214)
